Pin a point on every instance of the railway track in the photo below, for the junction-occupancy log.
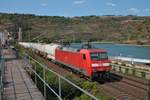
(119, 86)
(135, 82)
(126, 89)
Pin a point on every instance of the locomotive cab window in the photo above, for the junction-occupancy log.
(98, 55)
(84, 57)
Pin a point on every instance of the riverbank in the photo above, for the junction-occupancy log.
(126, 44)
(133, 45)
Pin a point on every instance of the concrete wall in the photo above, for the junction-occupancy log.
(131, 71)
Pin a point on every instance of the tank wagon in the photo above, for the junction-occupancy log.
(86, 61)
(50, 49)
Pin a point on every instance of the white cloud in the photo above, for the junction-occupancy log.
(44, 4)
(133, 11)
(146, 10)
(110, 4)
(79, 2)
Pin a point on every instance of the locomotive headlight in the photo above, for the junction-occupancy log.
(100, 64)
(106, 64)
(95, 65)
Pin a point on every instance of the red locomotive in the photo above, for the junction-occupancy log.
(89, 62)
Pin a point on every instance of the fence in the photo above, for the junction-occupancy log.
(131, 71)
(32, 65)
(1, 76)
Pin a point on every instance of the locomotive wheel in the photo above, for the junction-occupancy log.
(92, 78)
(108, 75)
(81, 76)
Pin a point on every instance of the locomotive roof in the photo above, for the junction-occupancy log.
(79, 49)
(96, 50)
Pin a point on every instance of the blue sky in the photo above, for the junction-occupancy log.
(76, 7)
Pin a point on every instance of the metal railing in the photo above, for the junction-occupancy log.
(1, 76)
(27, 61)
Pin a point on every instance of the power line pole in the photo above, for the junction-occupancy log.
(20, 35)
(74, 37)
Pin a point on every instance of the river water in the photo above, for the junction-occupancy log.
(142, 52)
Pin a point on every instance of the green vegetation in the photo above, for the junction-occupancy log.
(126, 71)
(120, 29)
(143, 74)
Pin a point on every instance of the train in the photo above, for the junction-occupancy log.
(89, 62)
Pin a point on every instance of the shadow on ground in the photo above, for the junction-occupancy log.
(112, 78)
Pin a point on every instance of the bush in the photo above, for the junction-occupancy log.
(83, 97)
(119, 69)
(126, 71)
(143, 74)
(133, 72)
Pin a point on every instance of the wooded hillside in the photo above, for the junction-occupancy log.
(120, 29)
